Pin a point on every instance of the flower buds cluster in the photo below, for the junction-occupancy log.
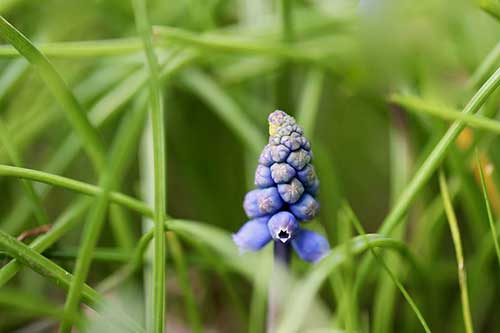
(286, 191)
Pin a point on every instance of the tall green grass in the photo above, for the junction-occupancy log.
(130, 132)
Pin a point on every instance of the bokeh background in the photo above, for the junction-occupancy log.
(333, 64)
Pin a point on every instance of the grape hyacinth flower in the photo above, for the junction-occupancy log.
(286, 191)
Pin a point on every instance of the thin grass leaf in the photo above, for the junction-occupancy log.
(225, 107)
(125, 141)
(306, 289)
(457, 243)
(491, 221)
(74, 185)
(428, 167)
(418, 105)
(160, 164)
(392, 276)
(193, 315)
(36, 202)
(76, 115)
(309, 102)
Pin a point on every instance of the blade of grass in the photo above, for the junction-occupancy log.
(81, 49)
(494, 233)
(225, 107)
(457, 243)
(181, 268)
(74, 185)
(304, 291)
(393, 277)
(485, 68)
(89, 136)
(29, 303)
(243, 45)
(418, 105)
(309, 102)
(428, 167)
(61, 226)
(36, 203)
(159, 156)
(126, 138)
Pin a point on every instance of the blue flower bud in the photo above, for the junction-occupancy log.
(307, 176)
(305, 144)
(282, 173)
(284, 131)
(263, 176)
(262, 202)
(265, 157)
(291, 192)
(283, 226)
(299, 159)
(310, 246)
(274, 140)
(313, 189)
(292, 141)
(253, 235)
(298, 129)
(306, 208)
(279, 153)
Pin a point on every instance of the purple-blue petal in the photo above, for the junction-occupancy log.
(307, 176)
(262, 202)
(310, 246)
(253, 235)
(291, 192)
(263, 176)
(306, 208)
(283, 226)
(279, 153)
(282, 172)
(265, 157)
(299, 159)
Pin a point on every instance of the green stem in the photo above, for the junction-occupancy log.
(75, 113)
(457, 243)
(74, 185)
(159, 154)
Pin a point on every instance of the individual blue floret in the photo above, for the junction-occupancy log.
(262, 202)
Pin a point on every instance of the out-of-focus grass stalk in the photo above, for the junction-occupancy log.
(75, 185)
(193, 316)
(81, 49)
(225, 107)
(419, 105)
(309, 103)
(400, 167)
(393, 277)
(61, 226)
(36, 203)
(485, 68)
(491, 221)
(75, 113)
(305, 290)
(428, 167)
(244, 45)
(160, 176)
(29, 303)
(491, 6)
(125, 139)
(455, 233)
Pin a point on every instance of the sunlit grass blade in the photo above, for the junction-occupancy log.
(76, 186)
(302, 295)
(428, 167)
(76, 115)
(309, 103)
(125, 141)
(418, 105)
(457, 243)
(491, 221)
(160, 165)
(393, 277)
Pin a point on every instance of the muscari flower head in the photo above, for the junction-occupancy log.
(286, 191)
